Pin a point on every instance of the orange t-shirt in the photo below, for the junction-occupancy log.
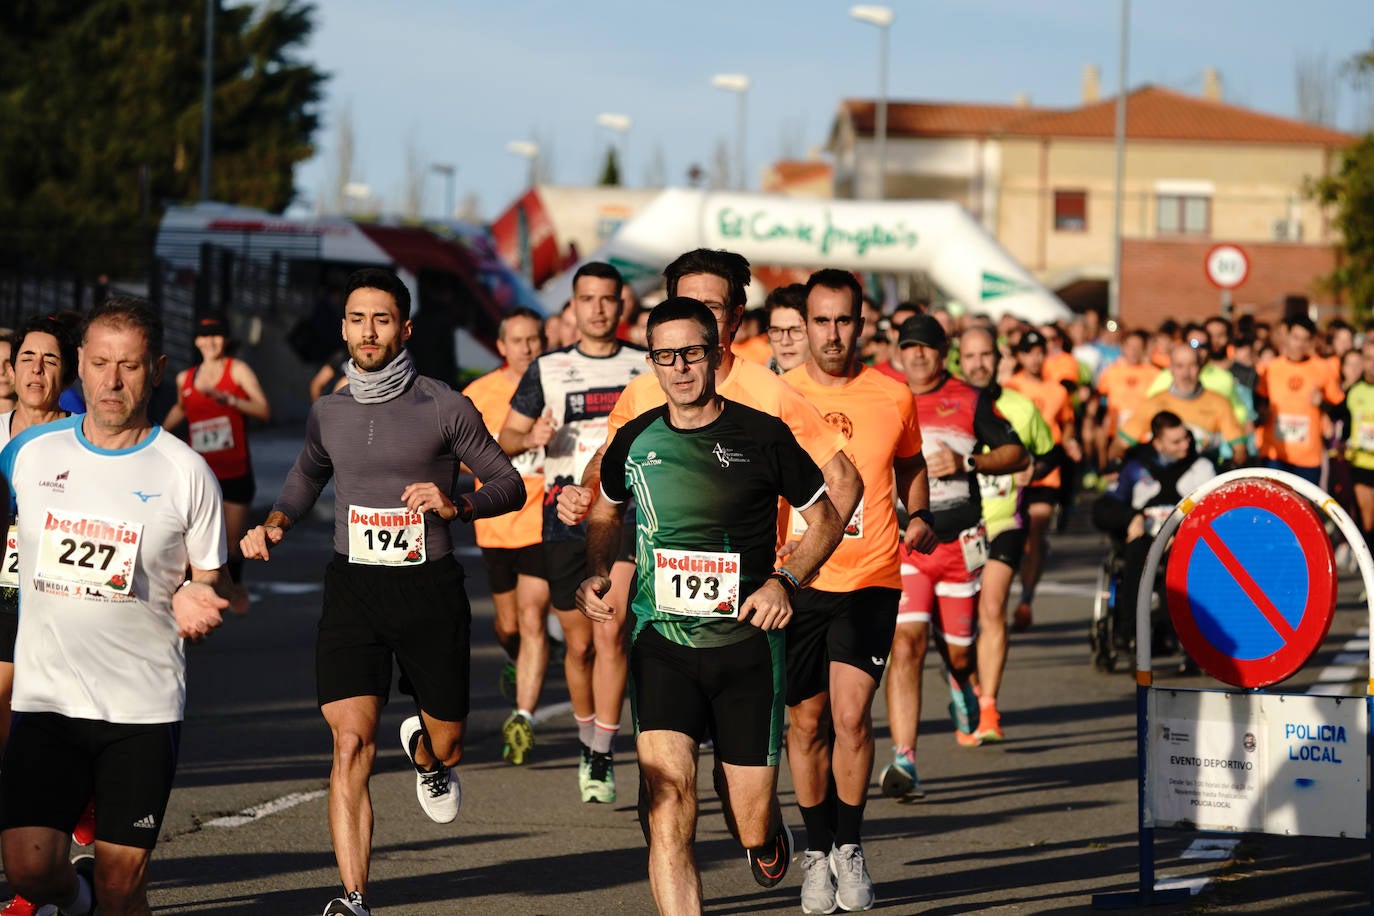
(1208, 416)
(751, 385)
(1293, 430)
(1061, 367)
(877, 417)
(1052, 400)
(756, 349)
(1124, 387)
(491, 395)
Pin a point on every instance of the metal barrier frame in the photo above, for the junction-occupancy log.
(1145, 893)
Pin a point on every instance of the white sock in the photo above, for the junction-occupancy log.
(603, 737)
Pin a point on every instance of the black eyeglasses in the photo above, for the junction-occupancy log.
(796, 332)
(667, 356)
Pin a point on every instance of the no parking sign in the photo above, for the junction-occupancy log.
(1251, 583)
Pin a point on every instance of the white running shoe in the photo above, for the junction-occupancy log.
(818, 883)
(352, 905)
(438, 790)
(853, 887)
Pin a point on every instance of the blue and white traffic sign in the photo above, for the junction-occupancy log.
(1251, 583)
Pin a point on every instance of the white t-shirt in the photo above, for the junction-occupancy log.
(126, 523)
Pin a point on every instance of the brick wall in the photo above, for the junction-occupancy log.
(1166, 279)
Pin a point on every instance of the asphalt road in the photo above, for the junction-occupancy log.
(1038, 824)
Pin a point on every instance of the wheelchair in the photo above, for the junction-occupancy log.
(1112, 631)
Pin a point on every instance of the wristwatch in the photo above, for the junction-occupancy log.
(969, 465)
(925, 516)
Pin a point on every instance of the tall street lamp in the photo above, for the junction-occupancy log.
(880, 16)
(619, 124)
(448, 170)
(737, 83)
(529, 151)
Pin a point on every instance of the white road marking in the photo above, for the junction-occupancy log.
(1346, 667)
(286, 588)
(1063, 588)
(1193, 885)
(550, 712)
(258, 812)
(1210, 848)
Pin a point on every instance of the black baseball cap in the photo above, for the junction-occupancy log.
(211, 326)
(1029, 341)
(924, 330)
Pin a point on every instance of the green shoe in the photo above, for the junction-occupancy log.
(518, 733)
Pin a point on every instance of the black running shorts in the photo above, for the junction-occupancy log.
(566, 563)
(853, 628)
(1362, 476)
(54, 765)
(9, 631)
(1008, 546)
(505, 566)
(1039, 494)
(732, 693)
(239, 490)
(419, 614)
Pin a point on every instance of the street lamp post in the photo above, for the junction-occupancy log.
(1114, 289)
(530, 152)
(737, 83)
(207, 100)
(880, 16)
(619, 124)
(448, 170)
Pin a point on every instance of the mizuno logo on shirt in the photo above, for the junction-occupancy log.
(144, 497)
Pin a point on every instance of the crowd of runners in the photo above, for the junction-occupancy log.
(741, 519)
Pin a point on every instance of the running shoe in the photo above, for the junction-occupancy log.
(84, 831)
(518, 734)
(1021, 617)
(771, 870)
(600, 784)
(899, 779)
(818, 883)
(584, 768)
(352, 905)
(438, 790)
(963, 707)
(853, 887)
(505, 682)
(19, 907)
(989, 726)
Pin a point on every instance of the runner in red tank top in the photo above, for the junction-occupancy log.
(214, 398)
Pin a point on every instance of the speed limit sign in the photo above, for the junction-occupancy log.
(1227, 266)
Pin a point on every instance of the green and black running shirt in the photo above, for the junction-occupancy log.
(707, 515)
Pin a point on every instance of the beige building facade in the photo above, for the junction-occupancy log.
(1198, 172)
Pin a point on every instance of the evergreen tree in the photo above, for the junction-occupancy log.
(101, 102)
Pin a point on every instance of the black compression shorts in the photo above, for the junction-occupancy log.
(734, 694)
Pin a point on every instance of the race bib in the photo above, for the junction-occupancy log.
(855, 528)
(385, 537)
(696, 583)
(1364, 437)
(213, 435)
(998, 486)
(1155, 516)
(1292, 427)
(974, 543)
(85, 550)
(9, 566)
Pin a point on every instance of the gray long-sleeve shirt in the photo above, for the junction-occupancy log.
(374, 451)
